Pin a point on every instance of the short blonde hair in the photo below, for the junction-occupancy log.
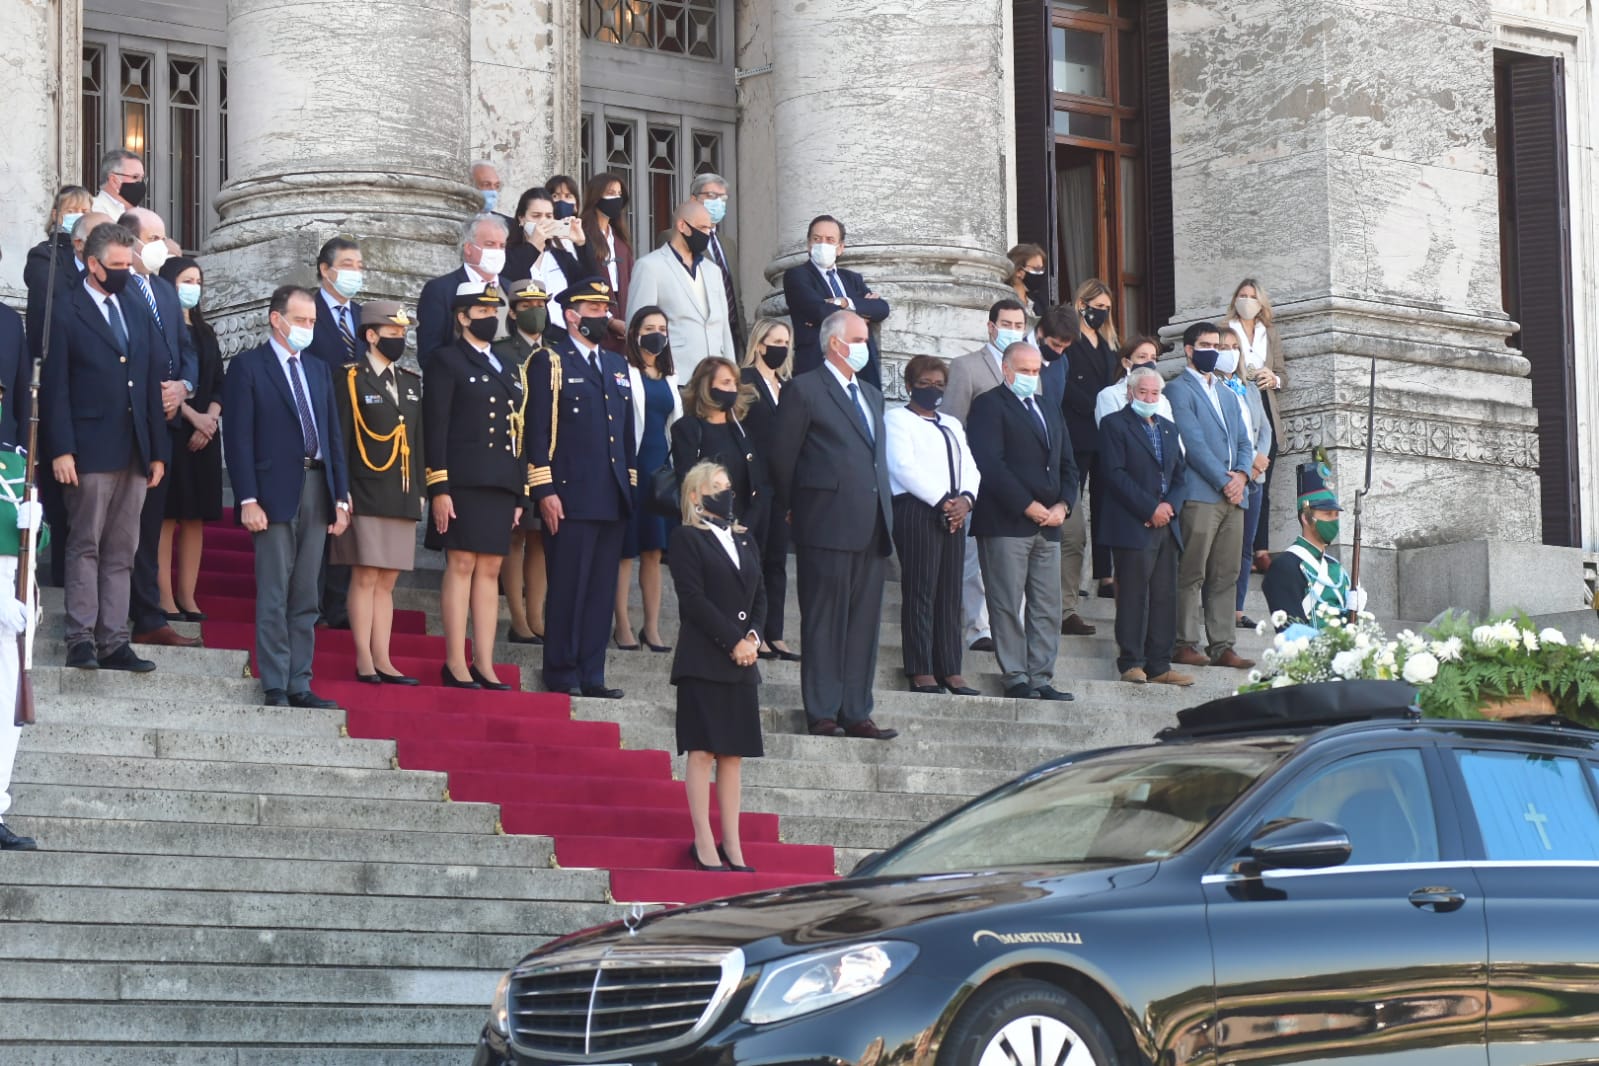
(695, 482)
(763, 329)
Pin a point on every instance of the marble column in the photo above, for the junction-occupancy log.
(369, 141)
(891, 116)
(525, 105)
(39, 83)
(1343, 152)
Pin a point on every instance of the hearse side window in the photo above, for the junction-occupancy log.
(1531, 807)
(1380, 799)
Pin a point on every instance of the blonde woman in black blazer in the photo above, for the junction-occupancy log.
(720, 603)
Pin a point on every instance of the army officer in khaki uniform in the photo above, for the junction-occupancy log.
(380, 407)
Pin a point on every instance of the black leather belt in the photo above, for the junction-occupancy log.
(314, 464)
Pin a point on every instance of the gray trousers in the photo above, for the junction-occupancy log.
(1213, 543)
(102, 538)
(1018, 570)
(288, 560)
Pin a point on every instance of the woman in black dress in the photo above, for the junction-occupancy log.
(720, 596)
(714, 405)
(768, 366)
(194, 480)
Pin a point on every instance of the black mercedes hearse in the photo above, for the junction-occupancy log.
(1298, 876)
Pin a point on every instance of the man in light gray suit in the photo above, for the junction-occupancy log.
(677, 278)
(1220, 455)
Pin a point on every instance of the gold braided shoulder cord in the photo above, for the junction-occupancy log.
(555, 398)
(518, 418)
(402, 446)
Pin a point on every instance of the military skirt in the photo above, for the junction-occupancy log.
(482, 522)
(372, 540)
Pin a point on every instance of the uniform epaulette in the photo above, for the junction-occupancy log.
(407, 370)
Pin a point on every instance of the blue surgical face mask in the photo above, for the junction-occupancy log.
(300, 338)
(69, 221)
(348, 282)
(1024, 385)
(491, 198)
(859, 356)
(1004, 338)
(188, 295)
(717, 209)
(1144, 409)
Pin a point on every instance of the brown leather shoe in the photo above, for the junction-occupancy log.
(1074, 626)
(1190, 657)
(826, 727)
(1172, 677)
(1135, 676)
(866, 729)
(1230, 658)
(166, 637)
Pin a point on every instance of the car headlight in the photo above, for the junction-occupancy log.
(820, 979)
(499, 1013)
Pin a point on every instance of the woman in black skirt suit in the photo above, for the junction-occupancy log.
(472, 409)
(194, 495)
(716, 570)
(714, 404)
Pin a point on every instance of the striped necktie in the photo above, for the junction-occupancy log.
(733, 320)
(149, 298)
(344, 331)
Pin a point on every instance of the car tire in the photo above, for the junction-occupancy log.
(1026, 1023)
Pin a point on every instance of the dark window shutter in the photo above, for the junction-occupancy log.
(1157, 164)
(1538, 194)
(1035, 137)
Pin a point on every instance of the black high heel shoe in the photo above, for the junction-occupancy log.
(516, 638)
(721, 853)
(770, 654)
(959, 690)
(484, 682)
(396, 679)
(624, 647)
(451, 682)
(928, 690)
(369, 679)
(786, 655)
(653, 647)
(694, 857)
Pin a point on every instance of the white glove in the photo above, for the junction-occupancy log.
(1355, 600)
(13, 616)
(29, 515)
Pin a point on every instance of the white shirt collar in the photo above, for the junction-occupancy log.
(99, 297)
(845, 382)
(725, 536)
(283, 354)
(1203, 379)
(332, 300)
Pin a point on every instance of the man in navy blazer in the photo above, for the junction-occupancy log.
(1145, 473)
(104, 434)
(482, 258)
(1021, 442)
(285, 455)
(16, 373)
(818, 288)
(1220, 455)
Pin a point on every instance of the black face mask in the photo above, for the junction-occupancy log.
(1035, 283)
(1049, 354)
(654, 343)
(391, 348)
(484, 329)
(776, 355)
(718, 504)
(610, 207)
(564, 209)
(593, 329)
(724, 398)
(133, 192)
(532, 320)
(1205, 359)
(697, 242)
(1094, 317)
(115, 280)
(927, 397)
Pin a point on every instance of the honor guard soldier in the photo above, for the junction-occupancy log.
(380, 409)
(522, 576)
(472, 410)
(1304, 583)
(581, 469)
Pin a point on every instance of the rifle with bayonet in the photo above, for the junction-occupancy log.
(28, 539)
(1360, 495)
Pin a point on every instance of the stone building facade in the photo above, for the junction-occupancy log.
(1375, 163)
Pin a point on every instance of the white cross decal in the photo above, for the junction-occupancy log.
(1538, 819)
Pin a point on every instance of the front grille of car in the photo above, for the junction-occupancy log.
(618, 1002)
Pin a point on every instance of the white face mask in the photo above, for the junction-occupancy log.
(859, 354)
(1248, 307)
(491, 261)
(1226, 360)
(154, 255)
(824, 255)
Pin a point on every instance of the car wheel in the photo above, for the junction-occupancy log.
(1026, 1023)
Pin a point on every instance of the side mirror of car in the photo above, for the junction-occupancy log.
(1300, 844)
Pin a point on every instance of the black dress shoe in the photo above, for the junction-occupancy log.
(1107, 592)
(721, 853)
(928, 690)
(699, 864)
(600, 692)
(958, 690)
(625, 647)
(125, 658)
(786, 655)
(312, 701)
(982, 644)
(826, 727)
(10, 841)
(1050, 692)
(450, 681)
(659, 647)
(1023, 691)
(517, 638)
(770, 655)
(483, 681)
(81, 656)
(1246, 622)
(275, 697)
(369, 679)
(396, 679)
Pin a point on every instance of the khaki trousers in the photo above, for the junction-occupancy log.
(1213, 543)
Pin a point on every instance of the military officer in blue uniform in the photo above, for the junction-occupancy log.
(581, 471)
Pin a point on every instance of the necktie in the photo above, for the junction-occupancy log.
(344, 329)
(118, 327)
(149, 298)
(733, 320)
(1036, 413)
(307, 423)
(386, 379)
(832, 280)
(855, 399)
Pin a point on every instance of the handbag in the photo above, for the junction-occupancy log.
(663, 497)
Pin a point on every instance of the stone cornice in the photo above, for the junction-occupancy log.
(1415, 436)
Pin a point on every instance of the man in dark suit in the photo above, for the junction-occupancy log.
(16, 374)
(831, 472)
(1056, 332)
(816, 289)
(105, 437)
(178, 365)
(285, 455)
(582, 469)
(482, 258)
(1144, 474)
(1029, 487)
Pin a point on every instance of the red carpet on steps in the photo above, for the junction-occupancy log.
(605, 807)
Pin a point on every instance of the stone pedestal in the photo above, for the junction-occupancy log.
(525, 106)
(42, 121)
(892, 118)
(1490, 577)
(372, 146)
(1358, 184)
